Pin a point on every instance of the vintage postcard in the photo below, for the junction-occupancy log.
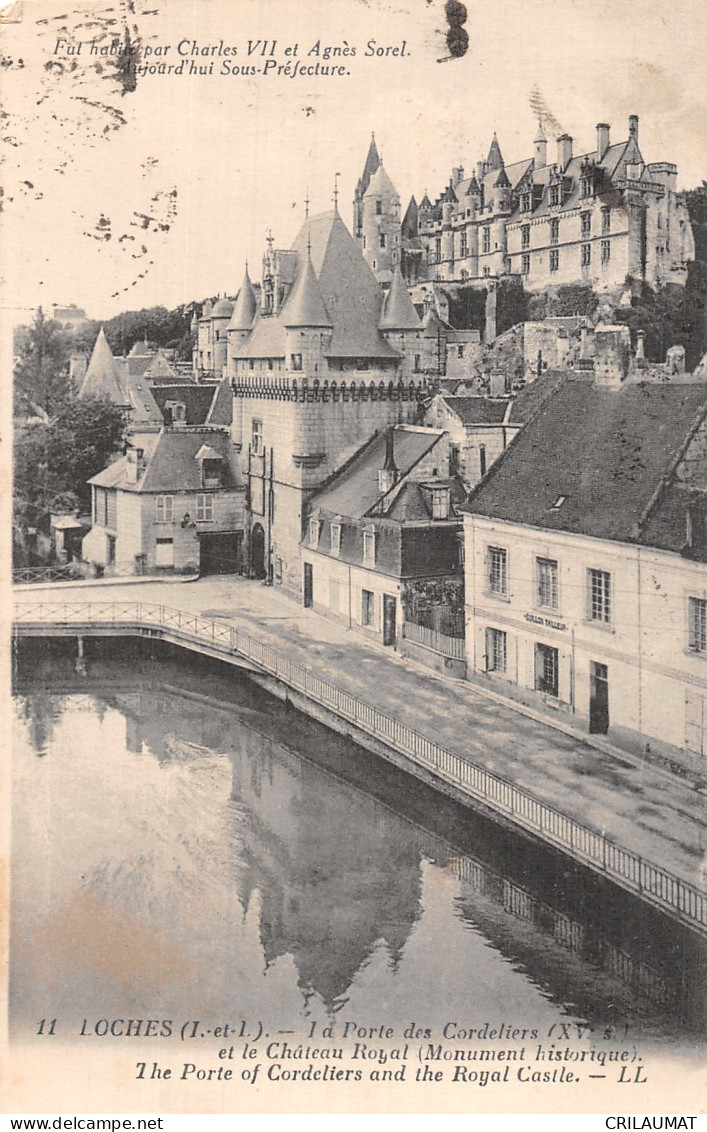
(356, 367)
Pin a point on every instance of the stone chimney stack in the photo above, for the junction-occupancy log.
(388, 474)
(633, 127)
(564, 151)
(602, 139)
(457, 175)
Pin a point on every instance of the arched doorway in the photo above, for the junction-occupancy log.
(257, 551)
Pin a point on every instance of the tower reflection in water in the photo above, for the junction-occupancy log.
(194, 849)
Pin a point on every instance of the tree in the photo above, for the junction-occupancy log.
(41, 369)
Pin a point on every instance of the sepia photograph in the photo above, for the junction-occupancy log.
(355, 416)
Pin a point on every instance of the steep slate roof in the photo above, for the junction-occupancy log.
(381, 185)
(244, 307)
(372, 163)
(159, 368)
(495, 157)
(101, 378)
(399, 311)
(144, 407)
(413, 503)
(350, 292)
(197, 400)
(171, 464)
(531, 397)
(606, 451)
(354, 490)
(221, 410)
(477, 410)
(223, 308)
(305, 306)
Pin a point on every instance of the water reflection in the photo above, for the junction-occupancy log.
(199, 851)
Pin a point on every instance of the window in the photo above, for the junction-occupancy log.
(546, 576)
(164, 552)
(440, 503)
(554, 194)
(586, 186)
(485, 239)
(498, 570)
(379, 208)
(606, 221)
(381, 239)
(605, 251)
(698, 624)
(367, 607)
(463, 248)
(314, 532)
(554, 231)
(496, 650)
(296, 360)
(526, 202)
(454, 453)
(460, 351)
(438, 249)
(204, 508)
(487, 271)
(256, 438)
(586, 219)
(525, 236)
(165, 508)
(525, 264)
(369, 547)
(546, 670)
(599, 595)
(482, 460)
(335, 538)
(586, 255)
(416, 363)
(554, 260)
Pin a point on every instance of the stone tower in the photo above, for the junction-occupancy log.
(381, 227)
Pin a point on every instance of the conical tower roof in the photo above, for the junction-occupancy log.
(101, 378)
(399, 312)
(223, 308)
(502, 181)
(381, 185)
(372, 162)
(409, 225)
(540, 136)
(245, 306)
(305, 306)
(495, 157)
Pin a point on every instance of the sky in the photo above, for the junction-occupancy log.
(119, 199)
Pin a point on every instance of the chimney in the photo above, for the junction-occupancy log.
(633, 127)
(457, 175)
(564, 151)
(640, 345)
(136, 464)
(602, 139)
(388, 474)
(480, 171)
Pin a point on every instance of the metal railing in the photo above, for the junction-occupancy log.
(654, 884)
(25, 575)
(447, 646)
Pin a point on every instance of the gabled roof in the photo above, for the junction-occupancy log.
(477, 410)
(605, 453)
(354, 491)
(159, 368)
(172, 463)
(244, 307)
(197, 400)
(101, 378)
(399, 311)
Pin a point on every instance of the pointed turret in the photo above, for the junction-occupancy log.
(409, 225)
(540, 144)
(502, 181)
(245, 306)
(399, 311)
(380, 185)
(305, 306)
(101, 379)
(495, 157)
(372, 162)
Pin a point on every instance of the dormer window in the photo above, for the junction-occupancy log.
(314, 527)
(586, 186)
(526, 202)
(369, 546)
(440, 503)
(211, 473)
(335, 536)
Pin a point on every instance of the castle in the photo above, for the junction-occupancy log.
(596, 218)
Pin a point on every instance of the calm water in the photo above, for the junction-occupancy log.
(186, 847)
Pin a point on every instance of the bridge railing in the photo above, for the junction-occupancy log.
(655, 884)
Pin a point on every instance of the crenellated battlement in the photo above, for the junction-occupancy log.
(286, 389)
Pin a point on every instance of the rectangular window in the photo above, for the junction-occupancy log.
(463, 249)
(256, 438)
(525, 236)
(204, 508)
(438, 249)
(586, 219)
(296, 360)
(546, 670)
(546, 577)
(485, 239)
(440, 503)
(496, 650)
(454, 454)
(605, 221)
(586, 186)
(482, 460)
(554, 260)
(335, 538)
(314, 532)
(164, 552)
(165, 508)
(554, 231)
(554, 194)
(369, 548)
(525, 264)
(599, 595)
(460, 351)
(381, 239)
(498, 570)
(112, 509)
(698, 624)
(367, 607)
(586, 255)
(379, 208)
(605, 251)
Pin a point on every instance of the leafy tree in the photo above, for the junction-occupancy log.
(41, 369)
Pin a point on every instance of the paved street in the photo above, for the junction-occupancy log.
(639, 805)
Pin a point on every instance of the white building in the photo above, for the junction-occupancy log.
(586, 565)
